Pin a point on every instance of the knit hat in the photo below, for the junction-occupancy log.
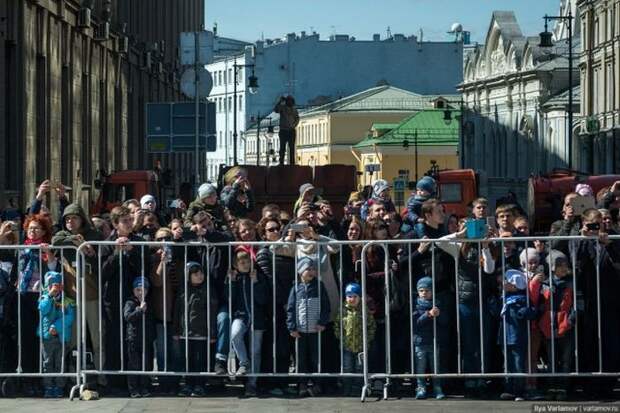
(556, 258)
(526, 254)
(206, 190)
(353, 289)
(425, 282)
(305, 187)
(516, 278)
(427, 183)
(141, 282)
(305, 263)
(191, 265)
(380, 186)
(146, 199)
(584, 190)
(52, 277)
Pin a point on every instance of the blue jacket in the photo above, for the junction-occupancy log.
(51, 312)
(305, 309)
(423, 330)
(513, 317)
(414, 208)
(241, 302)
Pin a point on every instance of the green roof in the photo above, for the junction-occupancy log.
(384, 126)
(428, 124)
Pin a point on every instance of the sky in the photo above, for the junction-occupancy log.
(252, 20)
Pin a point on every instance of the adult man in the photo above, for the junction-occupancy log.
(205, 201)
(289, 119)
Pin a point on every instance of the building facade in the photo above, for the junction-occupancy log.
(73, 91)
(599, 67)
(316, 71)
(507, 129)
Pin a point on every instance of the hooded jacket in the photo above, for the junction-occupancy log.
(307, 307)
(540, 296)
(65, 237)
(352, 327)
(216, 211)
(240, 295)
(52, 315)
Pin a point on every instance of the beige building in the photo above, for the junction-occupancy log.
(599, 66)
(326, 134)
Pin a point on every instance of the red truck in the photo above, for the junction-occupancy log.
(541, 196)
(120, 186)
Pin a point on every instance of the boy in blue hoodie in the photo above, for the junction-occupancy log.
(424, 316)
(425, 189)
(307, 314)
(57, 314)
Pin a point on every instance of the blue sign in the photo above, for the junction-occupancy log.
(171, 127)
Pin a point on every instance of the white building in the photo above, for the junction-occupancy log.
(316, 72)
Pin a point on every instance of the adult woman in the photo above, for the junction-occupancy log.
(351, 253)
(280, 273)
(34, 262)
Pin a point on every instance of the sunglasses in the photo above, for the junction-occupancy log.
(272, 229)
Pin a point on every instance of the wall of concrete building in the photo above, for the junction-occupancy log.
(71, 105)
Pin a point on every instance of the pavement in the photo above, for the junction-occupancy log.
(276, 405)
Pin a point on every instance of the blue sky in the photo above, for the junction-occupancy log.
(251, 19)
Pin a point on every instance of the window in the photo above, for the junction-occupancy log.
(450, 192)
(219, 74)
(230, 76)
(230, 104)
(240, 104)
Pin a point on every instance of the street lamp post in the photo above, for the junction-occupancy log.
(253, 88)
(546, 41)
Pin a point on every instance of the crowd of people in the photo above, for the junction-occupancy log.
(211, 298)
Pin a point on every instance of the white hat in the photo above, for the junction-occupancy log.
(206, 190)
(516, 278)
(146, 199)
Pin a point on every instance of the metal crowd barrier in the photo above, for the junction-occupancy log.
(14, 262)
(110, 265)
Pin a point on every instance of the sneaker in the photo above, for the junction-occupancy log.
(198, 391)
(519, 399)
(242, 370)
(534, 395)
(314, 390)
(439, 394)
(276, 392)
(220, 368)
(250, 391)
(420, 393)
(507, 396)
(145, 393)
(49, 393)
(185, 391)
(58, 393)
(303, 390)
(135, 395)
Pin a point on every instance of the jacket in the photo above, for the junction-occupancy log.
(423, 324)
(414, 208)
(306, 309)
(134, 319)
(197, 305)
(352, 328)
(513, 317)
(229, 200)
(51, 311)
(389, 206)
(289, 117)
(540, 296)
(239, 295)
(283, 271)
(564, 228)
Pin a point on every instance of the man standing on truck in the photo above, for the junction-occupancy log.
(289, 119)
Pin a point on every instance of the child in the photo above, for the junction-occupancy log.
(193, 333)
(425, 189)
(57, 314)
(555, 301)
(139, 346)
(380, 192)
(424, 314)
(307, 314)
(247, 315)
(352, 333)
(513, 332)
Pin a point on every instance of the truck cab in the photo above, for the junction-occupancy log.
(120, 186)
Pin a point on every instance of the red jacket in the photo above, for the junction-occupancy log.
(540, 296)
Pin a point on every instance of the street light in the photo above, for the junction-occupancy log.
(253, 89)
(547, 41)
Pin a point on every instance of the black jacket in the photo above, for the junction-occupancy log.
(199, 320)
(240, 296)
(284, 274)
(134, 321)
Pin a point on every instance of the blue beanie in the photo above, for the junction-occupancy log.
(425, 282)
(427, 183)
(141, 282)
(52, 277)
(353, 289)
(305, 263)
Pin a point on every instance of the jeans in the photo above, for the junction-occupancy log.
(425, 360)
(160, 344)
(563, 359)
(52, 362)
(350, 364)
(239, 328)
(222, 347)
(515, 357)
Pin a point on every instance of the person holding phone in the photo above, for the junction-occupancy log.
(569, 225)
(289, 119)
